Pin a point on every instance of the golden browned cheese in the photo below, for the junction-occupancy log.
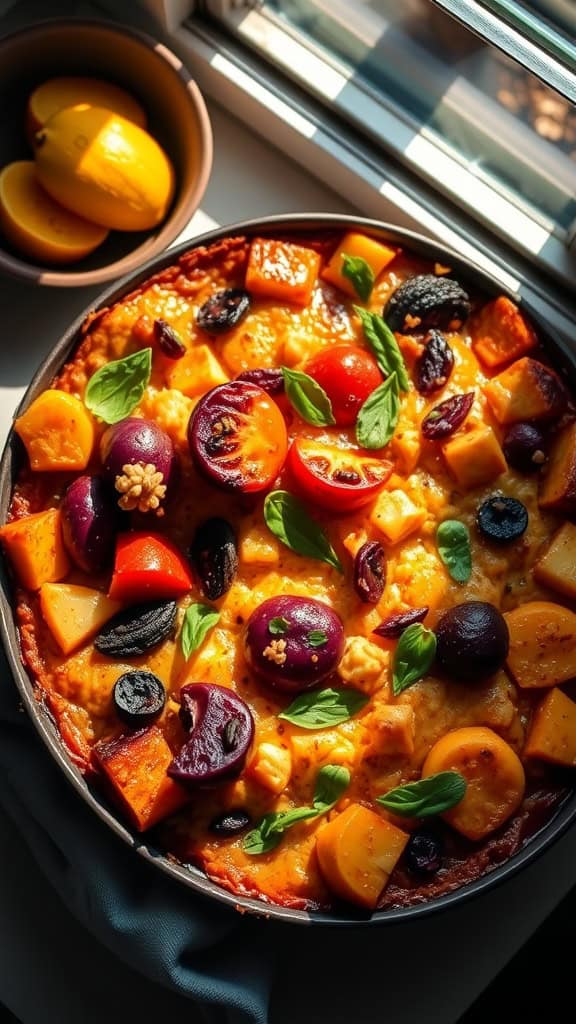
(381, 748)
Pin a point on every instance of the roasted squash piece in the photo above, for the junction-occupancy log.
(557, 566)
(527, 390)
(558, 491)
(552, 735)
(501, 333)
(376, 255)
(281, 270)
(196, 372)
(542, 644)
(35, 548)
(357, 852)
(493, 772)
(474, 458)
(74, 614)
(136, 767)
(396, 516)
(271, 766)
(57, 431)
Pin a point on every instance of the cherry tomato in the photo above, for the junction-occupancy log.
(338, 479)
(148, 566)
(348, 375)
(237, 437)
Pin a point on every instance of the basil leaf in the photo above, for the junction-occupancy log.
(114, 391)
(308, 398)
(331, 782)
(260, 840)
(278, 626)
(198, 619)
(453, 541)
(321, 708)
(317, 638)
(360, 273)
(384, 346)
(288, 520)
(413, 657)
(378, 416)
(429, 796)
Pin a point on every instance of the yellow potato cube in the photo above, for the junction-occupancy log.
(396, 516)
(552, 735)
(271, 766)
(196, 372)
(258, 547)
(35, 548)
(74, 614)
(557, 567)
(363, 664)
(474, 458)
(376, 255)
(406, 449)
(391, 728)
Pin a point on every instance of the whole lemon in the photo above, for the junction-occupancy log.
(104, 167)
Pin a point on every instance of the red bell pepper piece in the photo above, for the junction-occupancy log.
(147, 567)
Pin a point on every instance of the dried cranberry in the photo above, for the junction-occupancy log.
(424, 853)
(168, 341)
(434, 366)
(271, 381)
(223, 311)
(445, 418)
(370, 572)
(394, 625)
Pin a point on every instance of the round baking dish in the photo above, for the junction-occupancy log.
(193, 878)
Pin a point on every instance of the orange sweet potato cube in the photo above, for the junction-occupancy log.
(281, 270)
(376, 255)
(557, 566)
(474, 458)
(552, 735)
(558, 492)
(136, 765)
(500, 333)
(35, 548)
(527, 390)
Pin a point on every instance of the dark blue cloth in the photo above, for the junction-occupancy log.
(193, 946)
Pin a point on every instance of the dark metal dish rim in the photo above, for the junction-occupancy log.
(191, 877)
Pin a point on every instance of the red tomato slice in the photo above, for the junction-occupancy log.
(147, 567)
(339, 479)
(348, 375)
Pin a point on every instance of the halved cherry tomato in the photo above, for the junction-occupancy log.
(237, 437)
(340, 479)
(348, 375)
(147, 566)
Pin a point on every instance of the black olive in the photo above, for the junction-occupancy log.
(137, 629)
(424, 853)
(139, 698)
(425, 302)
(230, 823)
(223, 311)
(472, 641)
(501, 519)
(215, 556)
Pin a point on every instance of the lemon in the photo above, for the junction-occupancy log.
(38, 226)
(102, 166)
(66, 90)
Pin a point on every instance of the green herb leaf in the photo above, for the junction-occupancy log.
(198, 619)
(278, 626)
(433, 795)
(317, 638)
(288, 520)
(114, 391)
(413, 657)
(319, 709)
(308, 398)
(453, 540)
(378, 416)
(360, 273)
(384, 346)
(331, 782)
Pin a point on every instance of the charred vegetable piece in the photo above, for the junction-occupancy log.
(394, 625)
(214, 554)
(237, 437)
(427, 301)
(341, 480)
(348, 374)
(424, 853)
(230, 823)
(271, 381)
(294, 642)
(370, 572)
(558, 491)
(168, 341)
(136, 630)
(472, 641)
(446, 418)
(90, 522)
(148, 565)
(525, 447)
(139, 460)
(501, 519)
(527, 390)
(282, 270)
(139, 698)
(220, 730)
(433, 367)
(223, 311)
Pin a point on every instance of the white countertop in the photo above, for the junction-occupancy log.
(426, 971)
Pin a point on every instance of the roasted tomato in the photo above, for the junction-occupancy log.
(237, 437)
(148, 567)
(342, 480)
(348, 375)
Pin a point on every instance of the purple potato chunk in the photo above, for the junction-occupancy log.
(139, 460)
(220, 731)
(472, 641)
(525, 447)
(90, 522)
(293, 643)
